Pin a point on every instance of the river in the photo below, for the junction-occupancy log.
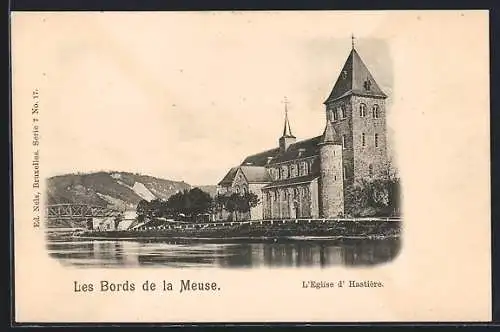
(248, 254)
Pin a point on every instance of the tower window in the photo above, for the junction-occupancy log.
(335, 115)
(343, 112)
(370, 170)
(362, 110)
(376, 111)
(367, 85)
(335, 178)
(345, 173)
(376, 140)
(363, 139)
(343, 142)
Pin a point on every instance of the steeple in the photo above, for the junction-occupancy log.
(329, 134)
(287, 132)
(355, 78)
(287, 139)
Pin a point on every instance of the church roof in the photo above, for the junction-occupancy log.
(261, 158)
(256, 174)
(355, 78)
(291, 181)
(253, 174)
(229, 177)
(301, 149)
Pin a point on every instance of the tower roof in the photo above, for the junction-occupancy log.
(355, 78)
(328, 135)
(287, 132)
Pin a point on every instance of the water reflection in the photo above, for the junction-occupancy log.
(284, 253)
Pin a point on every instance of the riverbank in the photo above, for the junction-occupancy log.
(239, 231)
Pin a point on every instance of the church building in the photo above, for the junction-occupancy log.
(308, 178)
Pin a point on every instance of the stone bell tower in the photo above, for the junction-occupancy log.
(331, 184)
(356, 110)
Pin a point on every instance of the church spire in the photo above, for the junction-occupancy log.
(287, 132)
(355, 79)
(329, 134)
(287, 139)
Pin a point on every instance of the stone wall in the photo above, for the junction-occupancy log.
(291, 202)
(370, 161)
(331, 183)
(344, 128)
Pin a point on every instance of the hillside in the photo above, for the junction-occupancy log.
(119, 190)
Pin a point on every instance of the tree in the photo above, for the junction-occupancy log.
(199, 201)
(378, 197)
(142, 207)
(235, 202)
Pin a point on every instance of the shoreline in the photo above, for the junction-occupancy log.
(289, 230)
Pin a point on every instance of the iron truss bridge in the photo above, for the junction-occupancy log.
(78, 211)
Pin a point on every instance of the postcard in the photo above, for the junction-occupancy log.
(251, 166)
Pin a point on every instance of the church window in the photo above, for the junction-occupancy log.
(367, 85)
(376, 111)
(376, 140)
(343, 112)
(343, 142)
(362, 110)
(363, 139)
(335, 178)
(335, 115)
(345, 173)
(237, 190)
(370, 170)
(284, 169)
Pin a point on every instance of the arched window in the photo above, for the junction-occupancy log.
(335, 116)
(345, 173)
(376, 111)
(376, 140)
(275, 196)
(362, 110)
(284, 169)
(237, 190)
(343, 142)
(343, 112)
(370, 170)
(363, 139)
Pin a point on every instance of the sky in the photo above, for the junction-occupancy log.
(186, 96)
